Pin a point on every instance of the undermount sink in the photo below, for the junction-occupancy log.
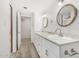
(58, 36)
(53, 35)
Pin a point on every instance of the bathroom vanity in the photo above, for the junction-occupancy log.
(52, 41)
(50, 45)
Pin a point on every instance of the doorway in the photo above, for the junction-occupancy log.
(25, 46)
(25, 27)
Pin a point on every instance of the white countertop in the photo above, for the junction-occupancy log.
(57, 39)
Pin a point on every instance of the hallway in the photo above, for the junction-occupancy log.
(26, 50)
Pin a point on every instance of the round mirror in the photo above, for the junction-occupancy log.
(45, 22)
(66, 15)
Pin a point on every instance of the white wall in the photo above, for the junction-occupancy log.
(4, 28)
(51, 14)
(39, 7)
(72, 30)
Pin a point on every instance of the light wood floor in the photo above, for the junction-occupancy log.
(26, 50)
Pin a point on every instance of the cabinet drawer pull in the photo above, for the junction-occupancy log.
(66, 52)
(73, 52)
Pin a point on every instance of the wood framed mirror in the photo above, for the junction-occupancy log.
(45, 21)
(66, 15)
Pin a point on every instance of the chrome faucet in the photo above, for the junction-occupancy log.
(59, 33)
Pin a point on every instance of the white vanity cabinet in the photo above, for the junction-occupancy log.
(47, 48)
(50, 50)
(38, 43)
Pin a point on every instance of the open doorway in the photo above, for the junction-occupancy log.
(25, 28)
(27, 49)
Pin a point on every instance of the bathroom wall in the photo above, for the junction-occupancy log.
(50, 8)
(4, 28)
(51, 14)
(72, 30)
(41, 7)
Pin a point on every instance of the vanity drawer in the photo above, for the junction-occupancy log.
(70, 50)
(49, 49)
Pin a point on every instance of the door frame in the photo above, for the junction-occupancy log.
(30, 14)
(17, 30)
(11, 28)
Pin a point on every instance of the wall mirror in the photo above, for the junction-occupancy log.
(45, 21)
(66, 15)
